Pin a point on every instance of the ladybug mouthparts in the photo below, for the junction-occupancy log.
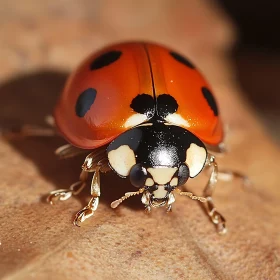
(158, 196)
(159, 183)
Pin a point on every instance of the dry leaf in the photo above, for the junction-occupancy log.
(38, 240)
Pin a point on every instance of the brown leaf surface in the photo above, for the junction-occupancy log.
(38, 241)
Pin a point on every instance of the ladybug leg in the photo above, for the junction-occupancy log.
(146, 201)
(30, 130)
(169, 208)
(27, 131)
(91, 207)
(68, 151)
(171, 200)
(49, 120)
(74, 189)
(229, 175)
(94, 161)
(214, 215)
(148, 209)
(219, 149)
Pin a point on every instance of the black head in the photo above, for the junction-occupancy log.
(158, 157)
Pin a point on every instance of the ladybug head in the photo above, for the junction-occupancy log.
(157, 158)
(158, 181)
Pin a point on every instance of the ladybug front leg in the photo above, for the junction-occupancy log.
(214, 215)
(95, 162)
(91, 207)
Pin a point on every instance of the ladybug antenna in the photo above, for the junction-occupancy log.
(127, 195)
(192, 196)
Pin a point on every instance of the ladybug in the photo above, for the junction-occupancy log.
(146, 113)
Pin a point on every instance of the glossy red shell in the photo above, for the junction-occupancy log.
(141, 68)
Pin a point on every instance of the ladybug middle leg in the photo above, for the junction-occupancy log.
(225, 175)
(74, 189)
(214, 215)
(229, 175)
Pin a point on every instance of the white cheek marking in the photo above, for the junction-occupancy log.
(146, 124)
(135, 120)
(162, 175)
(122, 159)
(174, 182)
(196, 157)
(160, 192)
(149, 182)
(177, 119)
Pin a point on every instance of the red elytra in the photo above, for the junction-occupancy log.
(95, 105)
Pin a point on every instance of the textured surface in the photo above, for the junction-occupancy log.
(40, 40)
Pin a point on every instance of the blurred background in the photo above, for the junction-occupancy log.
(257, 55)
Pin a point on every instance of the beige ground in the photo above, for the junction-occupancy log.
(40, 42)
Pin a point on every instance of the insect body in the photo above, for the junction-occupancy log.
(147, 114)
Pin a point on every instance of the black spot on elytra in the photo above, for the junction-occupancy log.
(105, 59)
(84, 101)
(182, 59)
(210, 99)
(166, 104)
(143, 104)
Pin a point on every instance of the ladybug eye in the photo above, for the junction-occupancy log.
(138, 175)
(183, 174)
